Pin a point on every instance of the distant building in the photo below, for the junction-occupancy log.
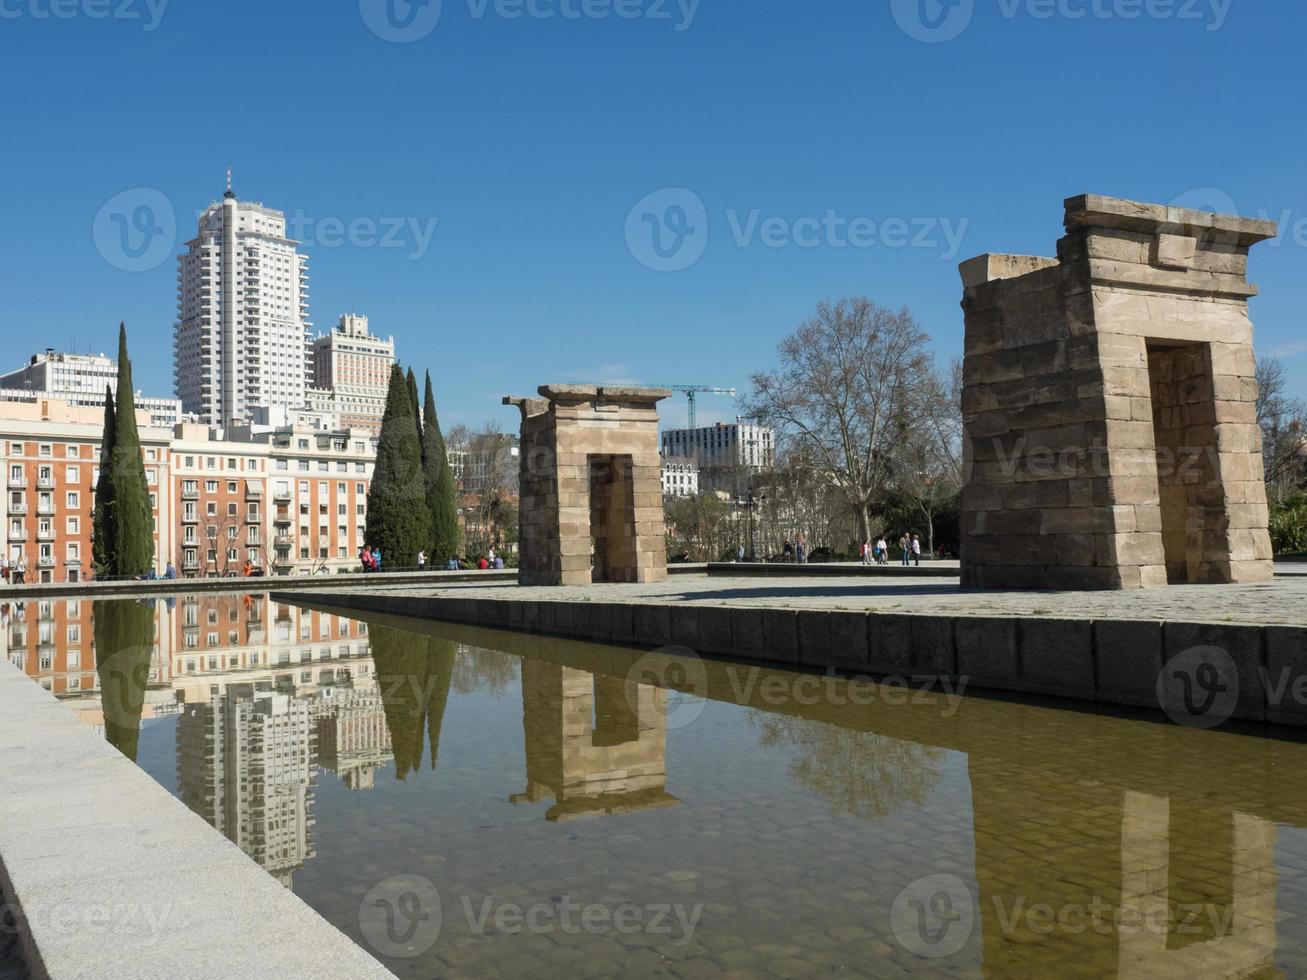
(353, 739)
(242, 330)
(350, 374)
(728, 455)
(680, 477)
(486, 462)
(80, 380)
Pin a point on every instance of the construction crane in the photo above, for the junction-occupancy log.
(692, 393)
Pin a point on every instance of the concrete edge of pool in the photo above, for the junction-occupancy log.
(112, 876)
(1107, 662)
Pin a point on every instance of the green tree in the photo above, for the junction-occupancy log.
(399, 522)
(102, 549)
(131, 518)
(412, 382)
(439, 481)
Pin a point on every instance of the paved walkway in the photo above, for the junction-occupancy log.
(1283, 602)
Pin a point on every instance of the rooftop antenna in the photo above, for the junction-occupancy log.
(230, 193)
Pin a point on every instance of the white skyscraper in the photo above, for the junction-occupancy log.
(242, 333)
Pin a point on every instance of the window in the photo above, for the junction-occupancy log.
(210, 486)
(72, 474)
(74, 500)
(74, 525)
(231, 486)
(231, 509)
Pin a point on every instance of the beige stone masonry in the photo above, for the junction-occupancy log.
(1110, 405)
(592, 508)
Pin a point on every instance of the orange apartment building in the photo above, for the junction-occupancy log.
(287, 501)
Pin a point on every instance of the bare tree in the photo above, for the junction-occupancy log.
(1284, 432)
(928, 462)
(847, 388)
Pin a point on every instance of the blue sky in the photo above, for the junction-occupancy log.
(529, 141)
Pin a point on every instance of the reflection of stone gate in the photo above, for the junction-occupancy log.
(595, 744)
(1110, 405)
(592, 508)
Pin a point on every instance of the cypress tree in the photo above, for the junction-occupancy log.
(412, 383)
(102, 552)
(398, 522)
(132, 535)
(439, 480)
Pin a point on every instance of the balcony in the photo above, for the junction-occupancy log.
(254, 518)
(46, 561)
(45, 534)
(18, 507)
(283, 495)
(45, 510)
(45, 483)
(190, 518)
(283, 541)
(18, 481)
(191, 494)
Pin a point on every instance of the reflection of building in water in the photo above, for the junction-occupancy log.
(1127, 884)
(596, 745)
(246, 763)
(352, 736)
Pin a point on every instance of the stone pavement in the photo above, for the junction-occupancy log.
(1282, 602)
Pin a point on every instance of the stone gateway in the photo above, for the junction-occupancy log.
(591, 484)
(1110, 406)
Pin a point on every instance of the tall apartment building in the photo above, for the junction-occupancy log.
(728, 455)
(351, 374)
(241, 337)
(290, 500)
(81, 380)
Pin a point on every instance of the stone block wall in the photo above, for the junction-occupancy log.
(1110, 406)
(592, 505)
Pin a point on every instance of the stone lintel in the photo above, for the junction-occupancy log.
(1098, 211)
(530, 407)
(574, 394)
(990, 267)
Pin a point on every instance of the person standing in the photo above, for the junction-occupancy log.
(882, 551)
(905, 547)
(376, 559)
(422, 561)
(20, 570)
(916, 550)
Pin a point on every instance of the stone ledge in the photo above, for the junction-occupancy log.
(87, 837)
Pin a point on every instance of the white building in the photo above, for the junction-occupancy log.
(680, 477)
(241, 337)
(351, 373)
(726, 454)
(80, 380)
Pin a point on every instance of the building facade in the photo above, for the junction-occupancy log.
(728, 455)
(290, 500)
(680, 477)
(350, 373)
(241, 337)
(80, 380)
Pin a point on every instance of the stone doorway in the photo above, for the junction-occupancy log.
(1191, 495)
(612, 518)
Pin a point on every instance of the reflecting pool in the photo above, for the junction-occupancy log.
(468, 802)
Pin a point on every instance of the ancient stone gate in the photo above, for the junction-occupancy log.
(591, 485)
(1110, 406)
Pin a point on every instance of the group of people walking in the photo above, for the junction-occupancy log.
(16, 573)
(877, 553)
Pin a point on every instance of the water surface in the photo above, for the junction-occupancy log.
(472, 803)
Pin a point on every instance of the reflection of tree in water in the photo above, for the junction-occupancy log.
(413, 675)
(124, 646)
(478, 669)
(857, 773)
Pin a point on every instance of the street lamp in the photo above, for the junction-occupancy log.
(753, 503)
